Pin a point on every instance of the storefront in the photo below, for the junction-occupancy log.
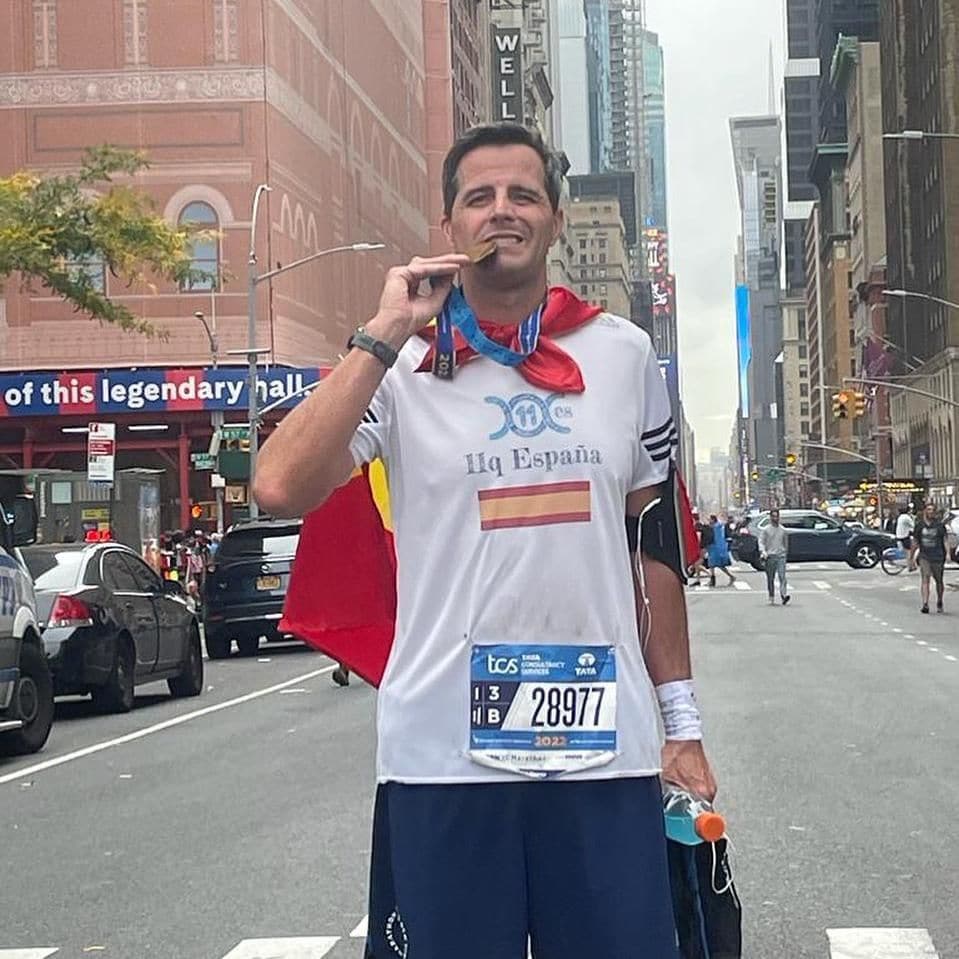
(164, 421)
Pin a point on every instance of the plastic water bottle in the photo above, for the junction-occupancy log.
(689, 819)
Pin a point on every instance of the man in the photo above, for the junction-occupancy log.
(512, 800)
(904, 528)
(930, 538)
(705, 536)
(774, 548)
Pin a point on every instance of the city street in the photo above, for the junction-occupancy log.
(188, 828)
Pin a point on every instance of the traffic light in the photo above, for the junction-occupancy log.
(860, 404)
(196, 511)
(790, 459)
(840, 405)
(755, 476)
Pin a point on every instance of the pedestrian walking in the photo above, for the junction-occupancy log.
(774, 548)
(520, 432)
(341, 675)
(930, 546)
(705, 533)
(905, 525)
(718, 552)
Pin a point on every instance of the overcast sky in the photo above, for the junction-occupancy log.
(717, 67)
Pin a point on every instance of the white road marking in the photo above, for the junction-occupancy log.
(921, 642)
(741, 584)
(157, 728)
(300, 947)
(933, 649)
(361, 930)
(884, 624)
(908, 636)
(896, 629)
(952, 659)
(26, 953)
(881, 944)
(820, 584)
(906, 589)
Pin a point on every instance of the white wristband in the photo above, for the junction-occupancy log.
(677, 705)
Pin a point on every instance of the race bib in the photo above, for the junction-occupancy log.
(542, 710)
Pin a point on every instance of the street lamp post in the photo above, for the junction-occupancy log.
(253, 353)
(216, 416)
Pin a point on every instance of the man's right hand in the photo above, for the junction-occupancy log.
(404, 309)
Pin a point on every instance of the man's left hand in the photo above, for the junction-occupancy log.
(685, 764)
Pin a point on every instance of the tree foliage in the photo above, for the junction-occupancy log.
(52, 227)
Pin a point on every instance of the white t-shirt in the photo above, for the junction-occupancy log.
(904, 526)
(508, 512)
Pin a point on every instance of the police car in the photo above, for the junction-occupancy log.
(26, 687)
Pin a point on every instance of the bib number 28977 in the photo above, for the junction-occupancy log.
(542, 710)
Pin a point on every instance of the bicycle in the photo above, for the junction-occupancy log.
(894, 560)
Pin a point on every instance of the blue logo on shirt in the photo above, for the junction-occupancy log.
(528, 415)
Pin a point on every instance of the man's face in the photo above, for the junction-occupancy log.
(502, 197)
(930, 513)
(774, 518)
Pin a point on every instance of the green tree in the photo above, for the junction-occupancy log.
(50, 226)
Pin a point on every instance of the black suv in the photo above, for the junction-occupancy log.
(816, 537)
(246, 585)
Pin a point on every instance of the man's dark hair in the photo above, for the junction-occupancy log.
(500, 135)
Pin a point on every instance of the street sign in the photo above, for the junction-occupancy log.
(203, 461)
(101, 452)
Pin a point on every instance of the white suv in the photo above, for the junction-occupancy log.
(26, 687)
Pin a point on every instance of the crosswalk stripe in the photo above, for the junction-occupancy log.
(821, 584)
(299, 947)
(741, 584)
(881, 944)
(26, 953)
(362, 928)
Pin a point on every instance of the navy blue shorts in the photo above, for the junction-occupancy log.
(469, 871)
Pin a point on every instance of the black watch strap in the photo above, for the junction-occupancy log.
(362, 340)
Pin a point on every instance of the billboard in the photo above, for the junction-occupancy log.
(743, 346)
(101, 452)
(154, 390)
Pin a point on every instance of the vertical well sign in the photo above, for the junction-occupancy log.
(507, 52)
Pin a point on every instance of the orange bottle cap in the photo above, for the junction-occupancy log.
(710, 826)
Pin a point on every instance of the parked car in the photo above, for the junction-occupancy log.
(246, 585)
(26, 686)
(816, 537)
(109, 623)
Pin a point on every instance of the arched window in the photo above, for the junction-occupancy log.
(206, 250)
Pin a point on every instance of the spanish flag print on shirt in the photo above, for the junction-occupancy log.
(541, 504)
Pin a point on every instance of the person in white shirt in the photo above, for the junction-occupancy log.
(905, 526)
(535, 663)
(774, 548)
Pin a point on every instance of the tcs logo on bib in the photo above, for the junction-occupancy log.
(502, 665)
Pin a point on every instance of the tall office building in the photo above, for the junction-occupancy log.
(600, 81)
(757, 156)
(574, 87)
(654, 91)
(921, 92)
(470, 63)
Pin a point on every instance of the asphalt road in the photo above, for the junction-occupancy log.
(188, 829)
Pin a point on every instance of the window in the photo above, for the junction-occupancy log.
(116, 573)
(146, 580)
(802, 351)
(226, 38)
(44, 34)
(584, 290)
(804, 409)
(602, 243)
(206, 257)
(602, 258)
(804, 389)
(88, 271)
(582, 244)
(582, 258)
(135, 31)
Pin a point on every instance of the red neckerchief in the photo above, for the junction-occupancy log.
(549, 366)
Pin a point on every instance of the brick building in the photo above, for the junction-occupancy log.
(326, 102)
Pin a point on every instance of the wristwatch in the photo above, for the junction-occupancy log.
(362, 340)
